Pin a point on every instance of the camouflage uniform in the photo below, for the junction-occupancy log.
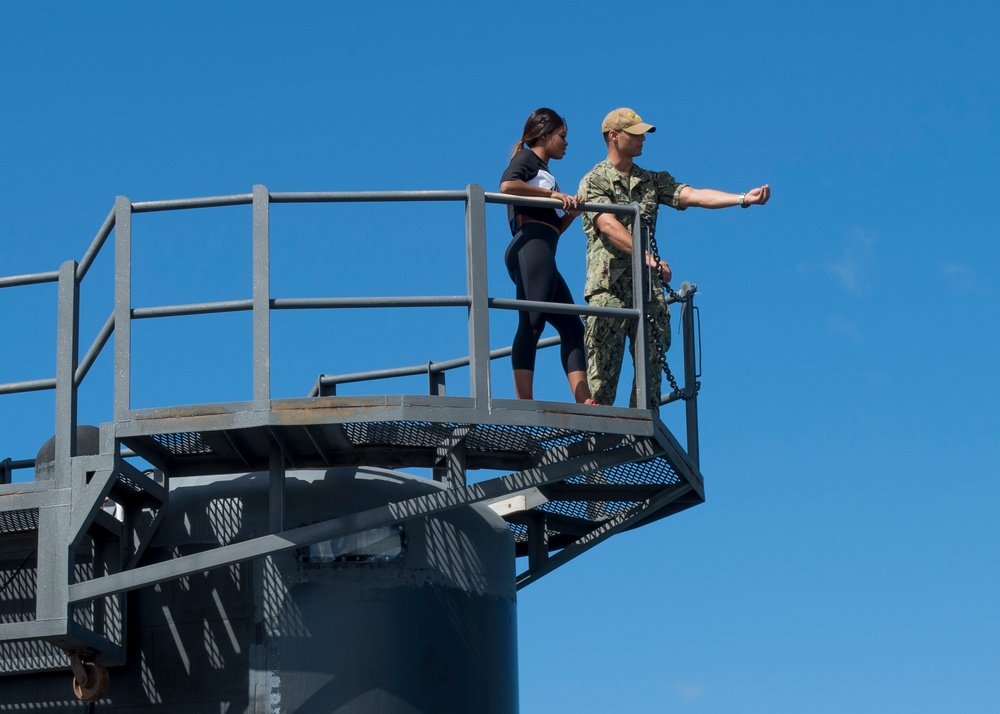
(609, 278)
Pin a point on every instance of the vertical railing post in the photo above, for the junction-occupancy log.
(479, 328)
(640, 289)
(53, 554)
(123, 329)
(67, 354)
(435, 381)
(53, 550)
(261, 297)
(690, 376)
(123, 308)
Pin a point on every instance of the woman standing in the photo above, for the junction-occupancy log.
(531, 255)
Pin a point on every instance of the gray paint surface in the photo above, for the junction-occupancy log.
(186, 596)
(429, 629)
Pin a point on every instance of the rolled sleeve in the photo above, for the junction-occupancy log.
(668, 189)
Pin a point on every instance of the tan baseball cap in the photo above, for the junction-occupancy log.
(625, 120)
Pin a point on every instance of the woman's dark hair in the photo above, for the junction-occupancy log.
(540, 124)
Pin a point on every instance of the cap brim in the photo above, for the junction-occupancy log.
(640, 128)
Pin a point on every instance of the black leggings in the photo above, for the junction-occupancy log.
(531, 264)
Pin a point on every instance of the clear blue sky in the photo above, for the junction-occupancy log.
(846, 559)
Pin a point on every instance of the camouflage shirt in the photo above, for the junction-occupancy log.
(603, 184)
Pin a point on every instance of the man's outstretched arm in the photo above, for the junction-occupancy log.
(711, 198)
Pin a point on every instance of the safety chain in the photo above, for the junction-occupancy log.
(651, 240)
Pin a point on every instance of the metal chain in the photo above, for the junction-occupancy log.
(651, 240)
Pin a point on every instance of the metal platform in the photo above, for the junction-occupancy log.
(71, 544)
(421, 432)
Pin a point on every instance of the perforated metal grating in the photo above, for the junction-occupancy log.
(594, 511)
(652, 472)
(483, 437)
(183, 443)
(19, 521)
(520, 532)
(594, 507)
(656, 472)
(519, 438)
(399, 433)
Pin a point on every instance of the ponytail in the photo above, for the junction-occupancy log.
(540, 124)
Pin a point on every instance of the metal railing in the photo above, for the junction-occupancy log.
(71, 370)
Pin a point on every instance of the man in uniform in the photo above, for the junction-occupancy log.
(617, 180)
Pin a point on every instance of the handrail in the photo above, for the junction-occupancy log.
(508, 199)
(366, 196)
(260, 200)
(390, 301)
(428, 369)
(95, 246)
(95, 349)
(8, 466)
(31, 385)
(684, 293)
(29, 279)
(180, 204)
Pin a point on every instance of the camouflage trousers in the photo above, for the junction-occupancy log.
(605, 338)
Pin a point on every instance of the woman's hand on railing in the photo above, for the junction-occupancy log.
(569, 203)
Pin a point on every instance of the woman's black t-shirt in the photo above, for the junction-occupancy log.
(527, 167)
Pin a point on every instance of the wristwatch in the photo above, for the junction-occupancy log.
(743, 200)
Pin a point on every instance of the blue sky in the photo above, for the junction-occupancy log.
(846, 558)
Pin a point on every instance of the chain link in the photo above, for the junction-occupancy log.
(651, 242)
